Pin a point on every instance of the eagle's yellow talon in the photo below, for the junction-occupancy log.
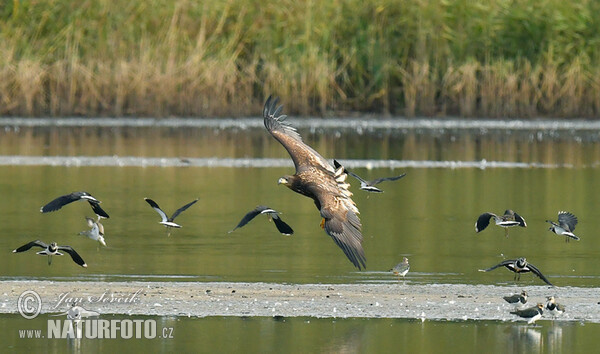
(323, 223)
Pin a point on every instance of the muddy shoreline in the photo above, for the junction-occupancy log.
(200, 299)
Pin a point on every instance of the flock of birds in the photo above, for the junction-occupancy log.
(533, 313)
(316, 178)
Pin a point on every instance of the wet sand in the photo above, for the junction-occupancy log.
(401, 300)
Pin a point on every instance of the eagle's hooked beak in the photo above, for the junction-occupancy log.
(282, 180)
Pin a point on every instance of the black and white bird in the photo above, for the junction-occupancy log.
(401, 268)
(509, 219)
(73, 197)
(518, 266)
(565, 226)
(168, 222)
(532, 314)
(553, 307)
(518, 300)
(96, 232)
(52, 250)
(283, 228)
(369, 186)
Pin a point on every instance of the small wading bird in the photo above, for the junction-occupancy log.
(565, 226)
(317, 179)
(401, 268)
(532, 314)
(271, 213)
(518, 266)
(97, 231)
(369, 186)
(75, 196)
(168, 222)
(509, 219)
(517, 299)
(553, 307)
(52, 250)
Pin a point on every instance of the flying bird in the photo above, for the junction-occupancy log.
(565, 226)
(96, 232)
(401, 268)
(271, 213)
(532, 314)
(518, 266)
(369, 186)
(73, 197)
(52, 250)
(317, 179)
(517, 299)
(168, 222)
(553, 307)
(509, 219)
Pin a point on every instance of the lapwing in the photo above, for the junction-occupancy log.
(168, 222)
(518, 266)
(73, 197)
(509, 219)
(96, 232)
(532, 314)
(565, 226)
(553, 307)
(52, 250)
(283, 228)
(369, 186)
(401, 268)
(518, 300)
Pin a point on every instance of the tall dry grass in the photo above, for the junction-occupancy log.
(492, 58)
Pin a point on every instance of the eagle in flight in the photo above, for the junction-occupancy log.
(316, 178)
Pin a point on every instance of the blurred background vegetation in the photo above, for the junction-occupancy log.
(488, 58)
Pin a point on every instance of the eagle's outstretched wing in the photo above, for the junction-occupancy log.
(303, 155)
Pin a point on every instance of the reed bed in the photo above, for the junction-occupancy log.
(491, 58)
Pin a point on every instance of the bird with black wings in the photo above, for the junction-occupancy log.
(518, 266)
(317, 179)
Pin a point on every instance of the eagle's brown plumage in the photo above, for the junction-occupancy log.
(316, 178)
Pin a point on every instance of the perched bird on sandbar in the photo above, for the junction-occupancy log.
(75, 196)
(284, 228)
(96, 232)
(565, 226)
(401, 268)
(369, 186)
(168, 222)
(317, 179)
(517, 299)
(518, 266)
(553, 307)
(509, 219)
(52, 250)
(532, 314)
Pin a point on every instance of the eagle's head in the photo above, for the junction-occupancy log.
(285, 180)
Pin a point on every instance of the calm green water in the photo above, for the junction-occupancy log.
(310, 335)
(428, 216)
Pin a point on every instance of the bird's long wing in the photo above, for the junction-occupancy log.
(178, 211)
(303, 155)
(251, 215)
(36, 243)
(64, 200)
(382, 179)
(97, 209)
(537, 272)
(157, 208)
(362, 181)
(567, 220)
(483, 221)
(501, 264)
(282, 226)
(74, 255)
(520, 219)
